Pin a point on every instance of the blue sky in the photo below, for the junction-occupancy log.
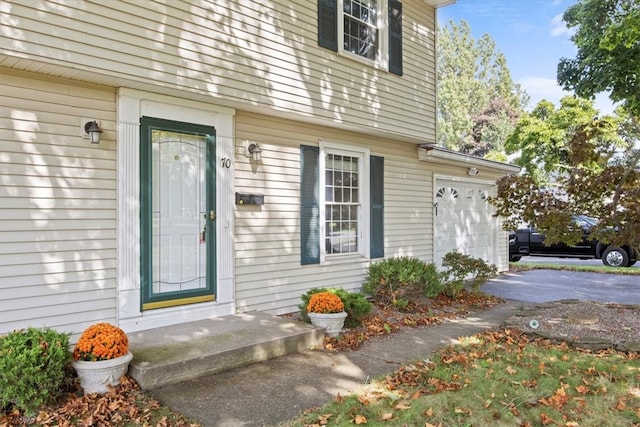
(532, 36)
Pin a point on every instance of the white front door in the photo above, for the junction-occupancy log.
(178, 213)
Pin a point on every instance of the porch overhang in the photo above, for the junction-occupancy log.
(442, 156)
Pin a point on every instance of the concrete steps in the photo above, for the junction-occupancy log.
(178, 353)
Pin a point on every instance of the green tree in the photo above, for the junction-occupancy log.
(542, 137)
(575, 161)
(478, 102)
(607, 35)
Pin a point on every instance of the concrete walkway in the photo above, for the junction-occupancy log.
(272, 392)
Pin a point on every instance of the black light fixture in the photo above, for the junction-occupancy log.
(255, 152)
(94, 131)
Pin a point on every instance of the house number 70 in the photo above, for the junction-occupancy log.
(226, 162)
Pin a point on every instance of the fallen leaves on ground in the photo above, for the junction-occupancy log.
(386, 320)
(418, 373)
(495, 376)
(124, 405)
(420, 376)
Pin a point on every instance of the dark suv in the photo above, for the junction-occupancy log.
(527, 241)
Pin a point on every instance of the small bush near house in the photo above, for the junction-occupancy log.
(394, 280)
(34, 365)
(460, 268)
(355, 304)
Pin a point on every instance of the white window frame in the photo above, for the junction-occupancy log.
(362, 154)
(382, 54)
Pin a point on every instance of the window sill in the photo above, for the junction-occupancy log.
(368, 62)
(343, 259)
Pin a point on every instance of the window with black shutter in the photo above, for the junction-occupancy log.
(340, 213)
(361, 29)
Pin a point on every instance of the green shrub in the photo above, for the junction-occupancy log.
(395, 280)
(33, 367)
(355, 305)
(432, 281)
(460, 268)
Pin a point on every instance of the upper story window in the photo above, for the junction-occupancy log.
(362, 29)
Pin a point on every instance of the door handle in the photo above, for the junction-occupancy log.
(212, 215)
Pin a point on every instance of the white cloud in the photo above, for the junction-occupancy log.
(540, 88)
(604, 104)
(559, 28)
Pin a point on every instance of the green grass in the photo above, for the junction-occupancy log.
(526, 266)
(499, 379)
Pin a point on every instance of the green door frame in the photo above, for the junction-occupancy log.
(148, 300)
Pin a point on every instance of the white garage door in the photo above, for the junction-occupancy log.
(463, 220)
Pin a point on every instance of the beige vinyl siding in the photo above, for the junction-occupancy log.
(57, 204)
(269, 276)
(256, 56)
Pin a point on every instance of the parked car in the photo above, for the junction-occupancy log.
(526, 241)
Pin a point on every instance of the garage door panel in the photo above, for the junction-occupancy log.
(464, 220)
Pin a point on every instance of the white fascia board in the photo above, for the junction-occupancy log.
(439, 3)
(438, 155)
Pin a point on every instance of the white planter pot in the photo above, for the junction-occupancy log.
(96, 377)
(332, 322)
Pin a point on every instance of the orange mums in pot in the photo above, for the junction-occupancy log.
(102, 341)
(325, 302)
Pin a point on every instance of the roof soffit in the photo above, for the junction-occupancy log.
(439, 3)
(438, 155)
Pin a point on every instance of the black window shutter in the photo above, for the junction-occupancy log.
(309, 205)
(328, 24)
(395, 37)
(377, 207)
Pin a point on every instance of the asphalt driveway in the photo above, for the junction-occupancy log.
(553, 285)
(567, 261)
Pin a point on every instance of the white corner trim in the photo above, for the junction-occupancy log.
(132, 105)
(174, 101)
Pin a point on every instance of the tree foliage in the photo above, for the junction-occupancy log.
(608, 60)
(478, 102)
(543, 137)
(576, 162)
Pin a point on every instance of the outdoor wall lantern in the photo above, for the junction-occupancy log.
(255, 152)
(94, 131)
(472, 171)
